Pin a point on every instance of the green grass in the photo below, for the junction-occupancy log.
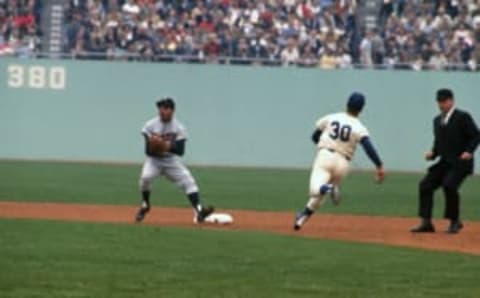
(247, 188)
(55, 259)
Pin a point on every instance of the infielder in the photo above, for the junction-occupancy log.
(336, 136)
(165, 139)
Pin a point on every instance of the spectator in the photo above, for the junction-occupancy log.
(474, 61)
(308, 58)
(328, 60)
(386, 11)
(248, 30)
(366, 50)
(343, 59)
(290, 54)
(417, 63)
(131, 8)
(438, 61)
(212, 48)
(377, 48)
(19, 34)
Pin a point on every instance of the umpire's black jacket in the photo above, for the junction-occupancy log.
(459, 135)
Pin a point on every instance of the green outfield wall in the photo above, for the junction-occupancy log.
(248, 116)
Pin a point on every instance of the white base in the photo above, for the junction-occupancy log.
(219, 218)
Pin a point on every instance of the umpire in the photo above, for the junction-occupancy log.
(456, 137)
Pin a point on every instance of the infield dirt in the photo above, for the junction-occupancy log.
(392, 231)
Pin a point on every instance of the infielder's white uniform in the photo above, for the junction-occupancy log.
(168, 164)
(341, 133)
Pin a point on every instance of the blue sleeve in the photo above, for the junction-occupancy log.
(316, 135)
(178, 147)
(147, 149)
(371, 152)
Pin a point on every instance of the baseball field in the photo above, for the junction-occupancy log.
(66, 230)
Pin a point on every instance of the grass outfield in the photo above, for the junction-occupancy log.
(59, 259)
(259, 189)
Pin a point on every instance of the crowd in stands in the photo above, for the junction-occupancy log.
(288, 32)
(411, 34)
(19, 27)
(434, 34)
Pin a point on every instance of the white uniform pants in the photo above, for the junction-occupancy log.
(329, 167)
(170, 167)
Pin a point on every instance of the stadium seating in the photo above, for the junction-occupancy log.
(418, 35)
(19, 30)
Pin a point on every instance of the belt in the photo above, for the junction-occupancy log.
(334, 151)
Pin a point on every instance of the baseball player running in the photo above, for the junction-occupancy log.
(336, 137)
(165, 139)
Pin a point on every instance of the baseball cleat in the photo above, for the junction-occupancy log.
(142, 212)
(300, 219)
(296, 227)
(335, 195)
(203, 213)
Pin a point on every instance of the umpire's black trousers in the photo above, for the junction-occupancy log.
(449, 178)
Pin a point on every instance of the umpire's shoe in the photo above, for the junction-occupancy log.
(203, 213)
(425, 226)
(142, 212)
(455, 227)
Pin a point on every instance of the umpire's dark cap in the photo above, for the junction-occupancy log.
(444, 94)
(356, 101)
(166, 102)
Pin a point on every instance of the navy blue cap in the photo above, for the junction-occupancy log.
(356, 101)
(166, 102)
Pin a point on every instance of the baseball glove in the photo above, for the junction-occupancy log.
(157, 145)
